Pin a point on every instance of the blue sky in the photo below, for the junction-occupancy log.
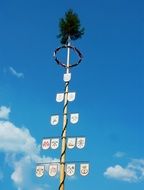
(109, 86)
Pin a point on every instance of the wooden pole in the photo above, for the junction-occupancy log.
(65, 122)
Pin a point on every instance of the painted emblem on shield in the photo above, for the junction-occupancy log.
(71, 143)
(45, 144)
(39, 170)
(71, 96)
(54, 143)
(74, 117)
(80, 142)
(59, 97)
(70, 169)
(53, 168)
(67, 77)
(54, 119)
(84, 169)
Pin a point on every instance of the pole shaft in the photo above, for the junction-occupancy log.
(65, 111)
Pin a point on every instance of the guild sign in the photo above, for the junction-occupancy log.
(74, 117)
(84, 169)
(54, 143)
(39, 170)
(54, 119)
(71, 143)
(60, 97)
(71, 96)
(70, 169)
(80, 142)
(45, 144)
(53, 168)
(67, 77)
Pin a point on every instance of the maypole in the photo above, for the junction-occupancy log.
(69, 30)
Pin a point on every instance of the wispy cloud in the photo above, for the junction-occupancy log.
(15, 73)
(119, 154)
(120, 173)
(4, 112)
(133, 172)
(21, 153)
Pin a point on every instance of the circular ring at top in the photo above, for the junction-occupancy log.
(74, 49)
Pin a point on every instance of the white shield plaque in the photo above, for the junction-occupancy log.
(70, 169)
(53, 168)
(39, 170)
(71, 143)
(54, 119)
(80, 142)
(54, 143)
(45, 144)
(67, 77)
(59, 97)
(84, 169)
(71, 96)
(74, 117)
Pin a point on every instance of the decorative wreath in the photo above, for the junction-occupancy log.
(74, 49)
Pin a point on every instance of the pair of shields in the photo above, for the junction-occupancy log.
(50, 143)
(60, 97)
(74, 117)
(52, 170)
(84, 169)
(78, 142)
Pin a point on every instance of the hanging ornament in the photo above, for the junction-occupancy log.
(53, 168)
(74, 117)
(67, 77)
(71, 143)
(54, 143)
(45, 144)
(70, 169)
(84, 169)
(71, 96)
(54, 119)
(59, 97)
(39, 170)
(80, 142)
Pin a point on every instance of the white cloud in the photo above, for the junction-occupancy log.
(24, 169)
(16, 140)
(118, 172)
(17, 175)
(138, 166)
(22, 172)
(133, 172)
(4, 112)
(119, 154)
(21, 154)
(15, 73)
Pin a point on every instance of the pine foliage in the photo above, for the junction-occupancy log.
(70, 27)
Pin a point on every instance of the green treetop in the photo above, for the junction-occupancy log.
(70, 27)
